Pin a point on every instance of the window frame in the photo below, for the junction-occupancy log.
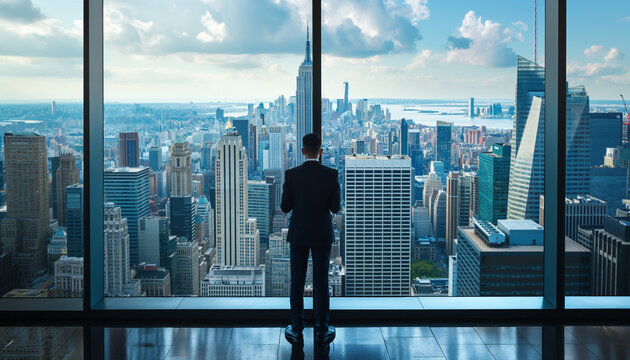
(551, 305)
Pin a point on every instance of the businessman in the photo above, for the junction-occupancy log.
(311, 191)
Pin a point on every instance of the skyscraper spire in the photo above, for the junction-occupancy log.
(307, 57)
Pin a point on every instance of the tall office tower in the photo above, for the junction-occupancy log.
(378, 226)
(433, 183)
(417, 160)
(458, 190)
(263, 149)
(346, 101)
(474, 196)
(54, 165)
(117, 265)
(206, 156)
(261, 205)
(494, 180)
(67, 174)
(438, 214)
(128, 188)
(74, 219)
(187, 273)
(252, 152)
(276, 148)
(280, 221)
(578, 157)
(231, 195)
(182, 216)
(611, 257)
(219, 115)
(25, 227)
(156, 245)
(421, 221)
(242, 128)
(155, 158)
(580, 211)
(471, 108)
(249, 245)
(57, 247)
(443, 143)
(526, 167)
(605, 132)
(491, 260)
(154, 281)
(128, 149)
(610, 185)
(304, 98)
(230, 281)
(404, 137)
(68, 277)
(181, 169)
(526, 182)
(204, 209)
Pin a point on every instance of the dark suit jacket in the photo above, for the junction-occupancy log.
(312, 191)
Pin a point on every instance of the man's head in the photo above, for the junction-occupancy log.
(311, 146)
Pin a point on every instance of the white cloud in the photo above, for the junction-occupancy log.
(593, 50)
(608, 64)
(484, 43)
(613, 55)
(214, 31)
(419, 10)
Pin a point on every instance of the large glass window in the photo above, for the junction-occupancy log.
(41, 167)
(206, 103)
(433, 113)
(597, 206)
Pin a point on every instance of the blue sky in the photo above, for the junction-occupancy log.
(204, 50)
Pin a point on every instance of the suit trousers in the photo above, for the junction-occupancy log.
(321, 302)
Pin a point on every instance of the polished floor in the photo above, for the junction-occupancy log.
(365, 343)
(361, 343)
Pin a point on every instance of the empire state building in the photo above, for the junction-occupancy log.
(304, 96)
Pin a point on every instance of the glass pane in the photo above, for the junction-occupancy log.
(434, 114)
(204, 103)
(41, 170)
(597, 205)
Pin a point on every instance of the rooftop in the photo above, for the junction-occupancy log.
(519, 225)
(570, 245)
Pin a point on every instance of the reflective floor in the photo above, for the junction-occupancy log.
(363, 343)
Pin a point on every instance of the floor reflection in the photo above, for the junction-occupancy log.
(54, 343)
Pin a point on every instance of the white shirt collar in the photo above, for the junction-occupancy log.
(305, 160)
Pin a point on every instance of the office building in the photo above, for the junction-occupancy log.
(74, 219)
(609, 184)
(424, 248)
(261, 205)
(117, 274)
(205, 211)
(458, 196)
(433, 183)
(181, 169)
(404, 137)
(378, 236)
(605, 132)
(443, 143)
(421, 221)
(154, 281)
(67, 174)
(155, 158)
(494, 180)
(68, 277)
(187, 271)
(578, 157)
(128, 149)
(54, 165)
(438, 214)
(207, 161)
(276, 148)
(471, 108)
(233, 229)
(304, 100)
(25, 227)
(182, 216)
(346, 100)
(7, 273)
(156, 245)
(57, 247)
(128, 188)
(491, 261)
(234, 281)
(611, 257)
(580, 211)
(242, 128)
(417, 160)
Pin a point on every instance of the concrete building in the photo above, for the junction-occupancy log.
(234, 281)
(68, 277)
(154, 281)
(611, 257)
(181, 169)
(128, 149)
(580, 211)
(74, 219)
(67, 174)
(156, 245)
(117, 273)
(187, 272)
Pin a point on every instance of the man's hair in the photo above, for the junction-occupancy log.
(311, 144)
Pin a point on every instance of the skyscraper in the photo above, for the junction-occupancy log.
(128, 149)
(580, 211)
(378, 226)
(304, 99)
(346, 101)
(433, 183)
(67, 174)
(443, 144)
(494, 180)
(605, 131)
(231, 199)
(117, 265)
(242, 128)
(578, 157)
(261, 205)
(471, 108)
(611, 257)
(181, 169)
(155, 158)
(276, 148)
(438, 214)
(25, 227)
(458, 190)
(204, 209)
(74, 219)
(187, 273)
(156, 245)
(404, 137)
(182, 216)
(128, 188)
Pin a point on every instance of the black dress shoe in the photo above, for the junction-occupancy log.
(293, 337)
(325, 336)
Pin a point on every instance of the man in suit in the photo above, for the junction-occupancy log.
(312, 192)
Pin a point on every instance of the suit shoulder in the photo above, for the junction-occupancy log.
(331, 172)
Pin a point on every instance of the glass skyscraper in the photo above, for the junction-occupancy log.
(304, 98)
(443, 144)
(494, 178)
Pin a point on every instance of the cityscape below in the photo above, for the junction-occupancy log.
(439, 198)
